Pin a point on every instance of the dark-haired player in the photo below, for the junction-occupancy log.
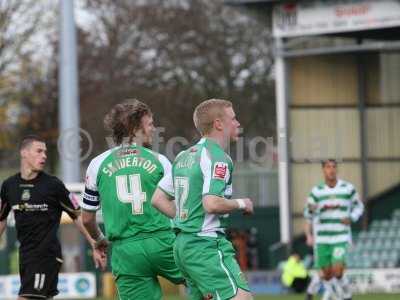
(331, 208)
(122, 181)
(37, 200)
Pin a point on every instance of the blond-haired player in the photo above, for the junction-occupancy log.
(201, 184)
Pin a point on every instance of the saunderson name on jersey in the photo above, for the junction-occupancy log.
(129, 162)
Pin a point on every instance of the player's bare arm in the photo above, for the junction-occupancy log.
(218, 205)
(99, 256)
(164, 203)
(90, 224)
(78, 223)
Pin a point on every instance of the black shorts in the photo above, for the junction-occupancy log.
(39, 278)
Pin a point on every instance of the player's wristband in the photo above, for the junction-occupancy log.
(241, 203)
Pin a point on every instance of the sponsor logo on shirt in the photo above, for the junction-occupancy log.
(128, 151)
(30, 207)
(330, 206)
(26, 185)
(220, 170)
(26, 195)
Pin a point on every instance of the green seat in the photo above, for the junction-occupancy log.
(373, 234)
(392, 233)
(385, 224)
(387, 244)
(368, 244)
(396, 214)
(363, 234)
(394, 255)
(396, 244)
(382, 233)
(395, 223)
(375, 224)
(385, 255)
(375, 256)
(381, 264)
(391, 263)
(367, 264)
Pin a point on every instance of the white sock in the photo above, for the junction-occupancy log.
(314, 285)
(329, 290)
(345, 287)
(326, 295)
(337, 287)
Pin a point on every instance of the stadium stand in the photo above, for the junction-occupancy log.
(379, 246)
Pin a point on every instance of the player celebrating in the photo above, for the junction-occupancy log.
(38, 200)
(202, 186)
(122, 181)
(331, 208)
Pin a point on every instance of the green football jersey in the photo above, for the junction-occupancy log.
(122, 181)
(203, 169)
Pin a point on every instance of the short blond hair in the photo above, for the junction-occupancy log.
(206, 112)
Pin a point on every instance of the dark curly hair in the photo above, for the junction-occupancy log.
(124, 119)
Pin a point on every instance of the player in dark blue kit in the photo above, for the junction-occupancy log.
(38, 200)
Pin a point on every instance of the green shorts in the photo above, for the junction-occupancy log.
(209, 267)
(137, 263)
(327, 255)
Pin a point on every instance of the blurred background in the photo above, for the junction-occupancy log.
(309, 80)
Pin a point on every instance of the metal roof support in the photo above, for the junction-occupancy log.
(283, 141)
(69, 96)
(362, 85)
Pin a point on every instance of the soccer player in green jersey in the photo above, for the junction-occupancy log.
(201, 184)
(121, 181)
(331, 208)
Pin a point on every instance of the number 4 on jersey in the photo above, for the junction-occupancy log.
(129, 190)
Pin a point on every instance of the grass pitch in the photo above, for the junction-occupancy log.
(301, 297)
